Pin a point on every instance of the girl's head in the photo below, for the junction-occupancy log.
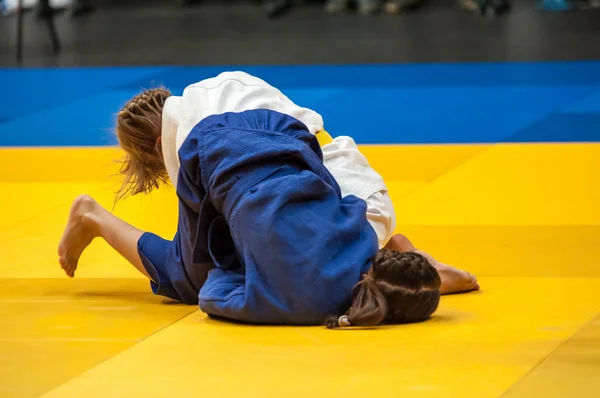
(401, 287)
(139, 130)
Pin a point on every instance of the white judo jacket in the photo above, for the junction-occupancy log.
(239, 92)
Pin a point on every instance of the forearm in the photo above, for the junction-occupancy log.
(400, 243)
(452, 280)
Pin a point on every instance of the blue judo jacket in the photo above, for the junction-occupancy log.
(264, 235)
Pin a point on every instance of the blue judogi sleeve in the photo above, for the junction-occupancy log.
(166, 280)
(179, 268)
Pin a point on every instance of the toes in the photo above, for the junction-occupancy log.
(474, 281)
(471, 282)
(71, 269)
(471, 278)
(66, 265)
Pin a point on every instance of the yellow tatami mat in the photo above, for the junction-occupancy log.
(54, 329)
(469, 348)
(524, 218)
(570, 371)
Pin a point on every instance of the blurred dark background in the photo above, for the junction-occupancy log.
(155, 32)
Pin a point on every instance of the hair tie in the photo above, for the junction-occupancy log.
(344, 321)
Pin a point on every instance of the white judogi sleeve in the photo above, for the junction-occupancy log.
(355, 176)
(170, 122)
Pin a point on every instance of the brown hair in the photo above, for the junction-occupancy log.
(138, 129)
(400, 287)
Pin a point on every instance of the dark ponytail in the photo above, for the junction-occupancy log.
(401, 287)
(369, 307)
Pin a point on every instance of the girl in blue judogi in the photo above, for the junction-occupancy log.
(272, 229)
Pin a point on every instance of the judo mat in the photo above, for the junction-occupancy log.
(492, 168)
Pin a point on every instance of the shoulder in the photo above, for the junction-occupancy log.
(227, 79)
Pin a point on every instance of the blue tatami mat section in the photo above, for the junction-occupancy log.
(376, 104)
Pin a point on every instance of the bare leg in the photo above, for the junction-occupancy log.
(89, 220)
(453, 280)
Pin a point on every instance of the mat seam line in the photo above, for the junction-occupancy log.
(545, 358)
(491, 146)
(455, 167)
(553, 112)
(121, 352)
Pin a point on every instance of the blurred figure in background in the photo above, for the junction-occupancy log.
(396, 6)
(568, 5)
(365, 7)
(485, 7)
(81, 7)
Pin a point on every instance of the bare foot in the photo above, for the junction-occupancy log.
(453, 280)
(78, 234)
